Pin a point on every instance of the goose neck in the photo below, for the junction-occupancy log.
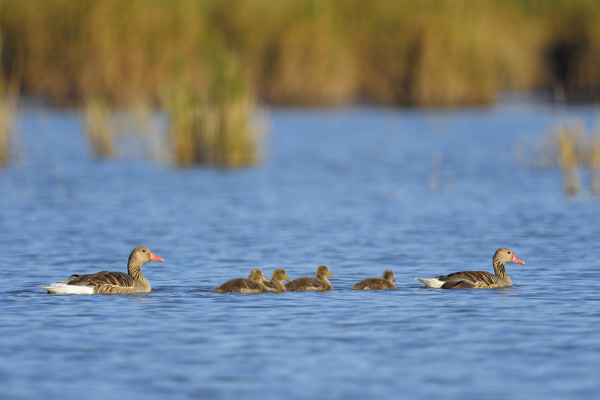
(134, 269)
(499, 269)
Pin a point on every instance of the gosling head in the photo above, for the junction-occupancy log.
(323, 272)
(279, 275)
(389, 276)
(256, 275)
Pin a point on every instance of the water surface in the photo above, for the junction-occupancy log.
(360, 190)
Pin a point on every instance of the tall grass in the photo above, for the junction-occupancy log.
(9, 93)
(211, 115)
(311, 52)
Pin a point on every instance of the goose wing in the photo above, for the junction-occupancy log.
(468, 279)
(105, 282)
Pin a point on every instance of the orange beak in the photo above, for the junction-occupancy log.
(517, 260)
(154, 257)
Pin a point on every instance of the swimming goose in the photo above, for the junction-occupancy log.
(478, 279)
(276, 285)
(306, 283)
(109, 282)
(251, 285)
(383, 283)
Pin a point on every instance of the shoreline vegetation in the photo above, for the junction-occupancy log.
(569, 147)
(209, 63)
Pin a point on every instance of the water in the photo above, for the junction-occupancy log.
(355, 189)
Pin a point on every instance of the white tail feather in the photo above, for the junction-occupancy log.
(63, 288)
(431, 283)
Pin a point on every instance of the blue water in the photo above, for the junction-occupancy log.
(360, 190)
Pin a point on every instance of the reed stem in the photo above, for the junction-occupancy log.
(99, 127)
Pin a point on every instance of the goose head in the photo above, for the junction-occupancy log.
(142, 255)
(506, 255)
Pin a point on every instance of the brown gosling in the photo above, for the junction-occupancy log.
(276, 285)
(306, 283)
(383, 283)
(251, 285)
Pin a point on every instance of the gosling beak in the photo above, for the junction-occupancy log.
(394, 279)
(266, 279)
(517, 260)
(287, 278)
(154, 257)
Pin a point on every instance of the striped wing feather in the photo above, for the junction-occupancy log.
(469, 279)
(105, 282)
(306, 283)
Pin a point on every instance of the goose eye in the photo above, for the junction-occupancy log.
(509, 252)
(144, 251)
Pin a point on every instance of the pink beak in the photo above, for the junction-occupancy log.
(517, 260)
(154, 257)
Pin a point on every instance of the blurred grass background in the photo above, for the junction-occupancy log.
(306, 52)
(210, 62)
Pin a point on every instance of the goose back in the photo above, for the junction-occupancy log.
(478, 279)
(108, 282)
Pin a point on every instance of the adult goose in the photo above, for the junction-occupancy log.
(251, 285)
(306, 283)
(109, 282)
(276, 285)
(478, 279)
(383, 283)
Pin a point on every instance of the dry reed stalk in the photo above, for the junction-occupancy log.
(238, 140)
(7, 110)
(595, 165)
(9, 95)
(211, 123)
(216, 133)
(99, 128)
(568, 160)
